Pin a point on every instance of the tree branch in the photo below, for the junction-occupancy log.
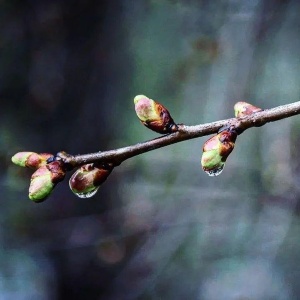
(184, 133)
(93, 169)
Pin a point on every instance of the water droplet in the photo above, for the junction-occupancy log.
(216, 171)
(88, 194)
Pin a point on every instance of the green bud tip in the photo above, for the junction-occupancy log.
(20, 158)
(242, 109)
(44, 179)
(138, 97)
(145, 109)
(30, 159)
(41, 184)
(211, 160)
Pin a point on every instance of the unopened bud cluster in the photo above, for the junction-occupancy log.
(50, 170)
(46, 176)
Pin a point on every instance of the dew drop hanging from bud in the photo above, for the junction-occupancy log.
(215, 172)
(87, 194)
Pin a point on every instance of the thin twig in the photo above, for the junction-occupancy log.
(184, 133)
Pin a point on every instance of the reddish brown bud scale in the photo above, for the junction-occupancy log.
(57, 171)
(227, 139)
(165, 124)
(211, 143)
(33, 161)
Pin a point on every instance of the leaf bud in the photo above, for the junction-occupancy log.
(86, 180)
(31, 159)
(216, 150)
(154, 115)
(44, 179)
(242, 109)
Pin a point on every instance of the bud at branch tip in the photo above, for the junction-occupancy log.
(154, 115)
(242, 109)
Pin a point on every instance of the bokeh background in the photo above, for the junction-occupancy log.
(159, 228)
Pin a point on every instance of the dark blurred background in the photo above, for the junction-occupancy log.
(159, 228)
